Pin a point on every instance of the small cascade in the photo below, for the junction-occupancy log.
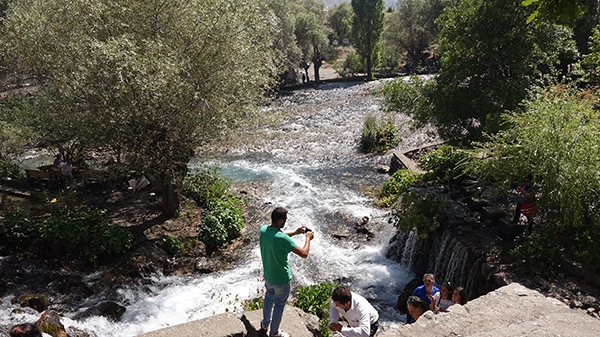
(409, 249)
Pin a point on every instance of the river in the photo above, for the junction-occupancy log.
(306, 159)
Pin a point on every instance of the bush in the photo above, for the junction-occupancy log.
(378, 135)
(398, 183)
(352, 65)
(205, 184)
(17, 228)
(540, 256)
(8, 169)
(175, 247)
(220, 223)
(556, 140)
(316, 300)
(66, 232)
(85, 233)
(419, 209)
(445, 164)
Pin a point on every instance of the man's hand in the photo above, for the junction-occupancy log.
(335, 326)
(310, 235)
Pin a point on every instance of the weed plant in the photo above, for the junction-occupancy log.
(378, 135)
(316, 300)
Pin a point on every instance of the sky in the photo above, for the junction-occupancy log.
(330, 3)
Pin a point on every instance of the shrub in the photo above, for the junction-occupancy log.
(221, 222)
(539, 256)
(205, 184)
(445, 164)
(9, 169)
(175, 247)
(85, 233)
(17, 228)
(253, 304)
(398, 183)
(419, 209)
(352, 65)
(316, 299)
(378, 135)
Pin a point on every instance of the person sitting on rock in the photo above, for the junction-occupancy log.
(526, 202)
(459, 295)
(426, 292)
(416, 307)
(446, 291)
(25, 330)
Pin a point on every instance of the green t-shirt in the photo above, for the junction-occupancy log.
(275, 246)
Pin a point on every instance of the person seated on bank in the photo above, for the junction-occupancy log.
(25, 330)
(362, 317)
(446, 291)
(416, 307)
(459, 295)
(526, 201)
(426, 292)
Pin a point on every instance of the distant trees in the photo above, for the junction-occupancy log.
(311, 33)
(490, 57)
(340, 20)
(148, 80)
(367, 27)
(412, 29)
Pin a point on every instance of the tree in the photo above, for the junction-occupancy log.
(490, 57)
(311, 33)
(152, 80)
(285, 43)
(564, 12)
(340, 20)
(412, 27)
(555, 139)
(367, 27)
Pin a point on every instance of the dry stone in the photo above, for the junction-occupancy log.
(512, 310)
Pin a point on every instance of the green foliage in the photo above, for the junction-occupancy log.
(220, 223)
(417, 208)
(175, 246)
(316, 300)
(378, 135)
(446, 164)
(539, 256)
(398, 183)
(9, 169)
(409, 97)
(151, 80)
(17, 227)
(564, 12)
(340, 20)
(352, 64)
(253, 303)
(205, 184)
(489, 58)
(556, 140)
(591, 61)
(67, 231)
(412, 29)
(84, 232)
(367, 26)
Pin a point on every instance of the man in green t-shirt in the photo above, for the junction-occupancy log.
(275, 246)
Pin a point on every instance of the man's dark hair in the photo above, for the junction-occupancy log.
(278, 214)
(25, 330)
(341, 294)
(418, 303)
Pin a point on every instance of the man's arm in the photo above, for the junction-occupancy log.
(303, 252)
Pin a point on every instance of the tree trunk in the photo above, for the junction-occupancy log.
(170, 197)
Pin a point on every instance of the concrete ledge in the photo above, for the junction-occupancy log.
(223, 325)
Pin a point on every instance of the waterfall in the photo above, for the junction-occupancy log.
(409, 249)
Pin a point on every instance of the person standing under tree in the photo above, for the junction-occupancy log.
(362, 318)
(275, 246)
(526, 202)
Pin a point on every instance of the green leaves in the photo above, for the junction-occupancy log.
(315, 299)
(378, 135)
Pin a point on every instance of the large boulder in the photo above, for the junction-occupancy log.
(512, 310)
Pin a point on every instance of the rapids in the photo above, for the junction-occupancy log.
(307, 159)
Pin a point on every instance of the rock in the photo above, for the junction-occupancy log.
(108, 309)
(38, 302)
(512, 310)
(382, 168)
(50, 324)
